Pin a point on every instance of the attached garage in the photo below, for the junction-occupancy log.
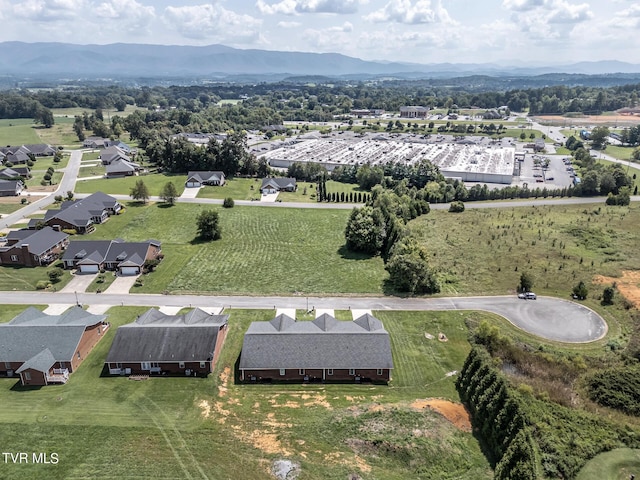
(193, 184)
(89, 269)
(129, 270)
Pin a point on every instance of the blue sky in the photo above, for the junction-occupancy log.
(514, 32)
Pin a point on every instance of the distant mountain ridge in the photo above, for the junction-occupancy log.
(219, 61)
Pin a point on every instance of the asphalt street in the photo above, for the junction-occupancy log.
(547, 317)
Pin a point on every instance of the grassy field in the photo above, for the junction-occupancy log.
(26, 278)
(236, 188)
(484, 251)
(618, 464)
(18, 131)
(213, 428)
(115, 186)
(279, 251)
(6, 208)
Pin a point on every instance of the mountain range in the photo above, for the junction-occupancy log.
(66, 60)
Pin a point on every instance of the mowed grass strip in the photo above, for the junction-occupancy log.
(123, 185)
(618, 464)
(214, 428)
(260, 252)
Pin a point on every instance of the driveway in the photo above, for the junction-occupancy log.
(191, 192)
(121, 285)
(268, 197)
(79, 282)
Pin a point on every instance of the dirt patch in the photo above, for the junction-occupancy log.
(224, 379)
(628, 285)
(454, 412)
(442, 337)
(356, 461)
(267, 442)
(205, 407)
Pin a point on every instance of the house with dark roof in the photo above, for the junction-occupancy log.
(15, 173)
(161, 344)
(17, 158)
(10, 188)
(80, 215)
(278, 184)
(113, 153)
(200, 178)
(42, 349)
(125, 258)
(32, 248)
(122, 168)
(41, 150)
(95, 142)
(325, 349)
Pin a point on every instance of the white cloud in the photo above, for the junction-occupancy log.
(522, 5)
(213, 22)
(293, 7)
(565, 12)
(289, 24)
(412, 13)
(130, 14)
(48, 10)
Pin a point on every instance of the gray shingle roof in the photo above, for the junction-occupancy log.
(157, 337)
(322, 343)
(32, 331)
(10, 185)
(205, 176)
(40, 362)
(279, 183)
(40, 241)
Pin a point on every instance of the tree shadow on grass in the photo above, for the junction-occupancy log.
(388, 288)
(137, 203)
(200, 241)
(347, 254)
(165, 205)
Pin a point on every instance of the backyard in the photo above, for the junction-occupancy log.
(215, 428)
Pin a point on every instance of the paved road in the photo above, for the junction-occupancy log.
(547, 317)
(67, 183)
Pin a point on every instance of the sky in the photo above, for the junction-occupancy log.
(507, 32)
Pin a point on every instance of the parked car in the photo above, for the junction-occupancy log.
(530, 296)
(522, 296)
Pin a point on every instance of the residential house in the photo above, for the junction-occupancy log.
(122, 168)
(113, 153)
(278, 184)
(10, 188)
(80, 215)
(324, 349)
(15, 173)
(95, 142)
(41, 150)
(414, 111)
(161, 344)
(42, 349)
(200, 178)
(17, 158)
(32, 248)
(125, 258)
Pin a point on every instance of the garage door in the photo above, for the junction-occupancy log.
(89, 268)
(129, 270)
(193, 184)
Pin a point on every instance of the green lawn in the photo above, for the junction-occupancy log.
(26, 278)
(621, 153)
(274, 251)
(618, 464)
(115, 186)
(8, 312)
(6, 208)
(92, 171)
(18, 131)
(236, 188)
(101, 283)
(214, 428)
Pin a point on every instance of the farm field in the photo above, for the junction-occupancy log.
(215, 428)
(18, 131)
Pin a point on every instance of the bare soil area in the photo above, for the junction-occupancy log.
(454, 412)
(611, 120)
(628, 285)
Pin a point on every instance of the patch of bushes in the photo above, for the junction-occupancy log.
(617, 388)
(228, 202)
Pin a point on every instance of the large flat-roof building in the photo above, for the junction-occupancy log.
(469, 162)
